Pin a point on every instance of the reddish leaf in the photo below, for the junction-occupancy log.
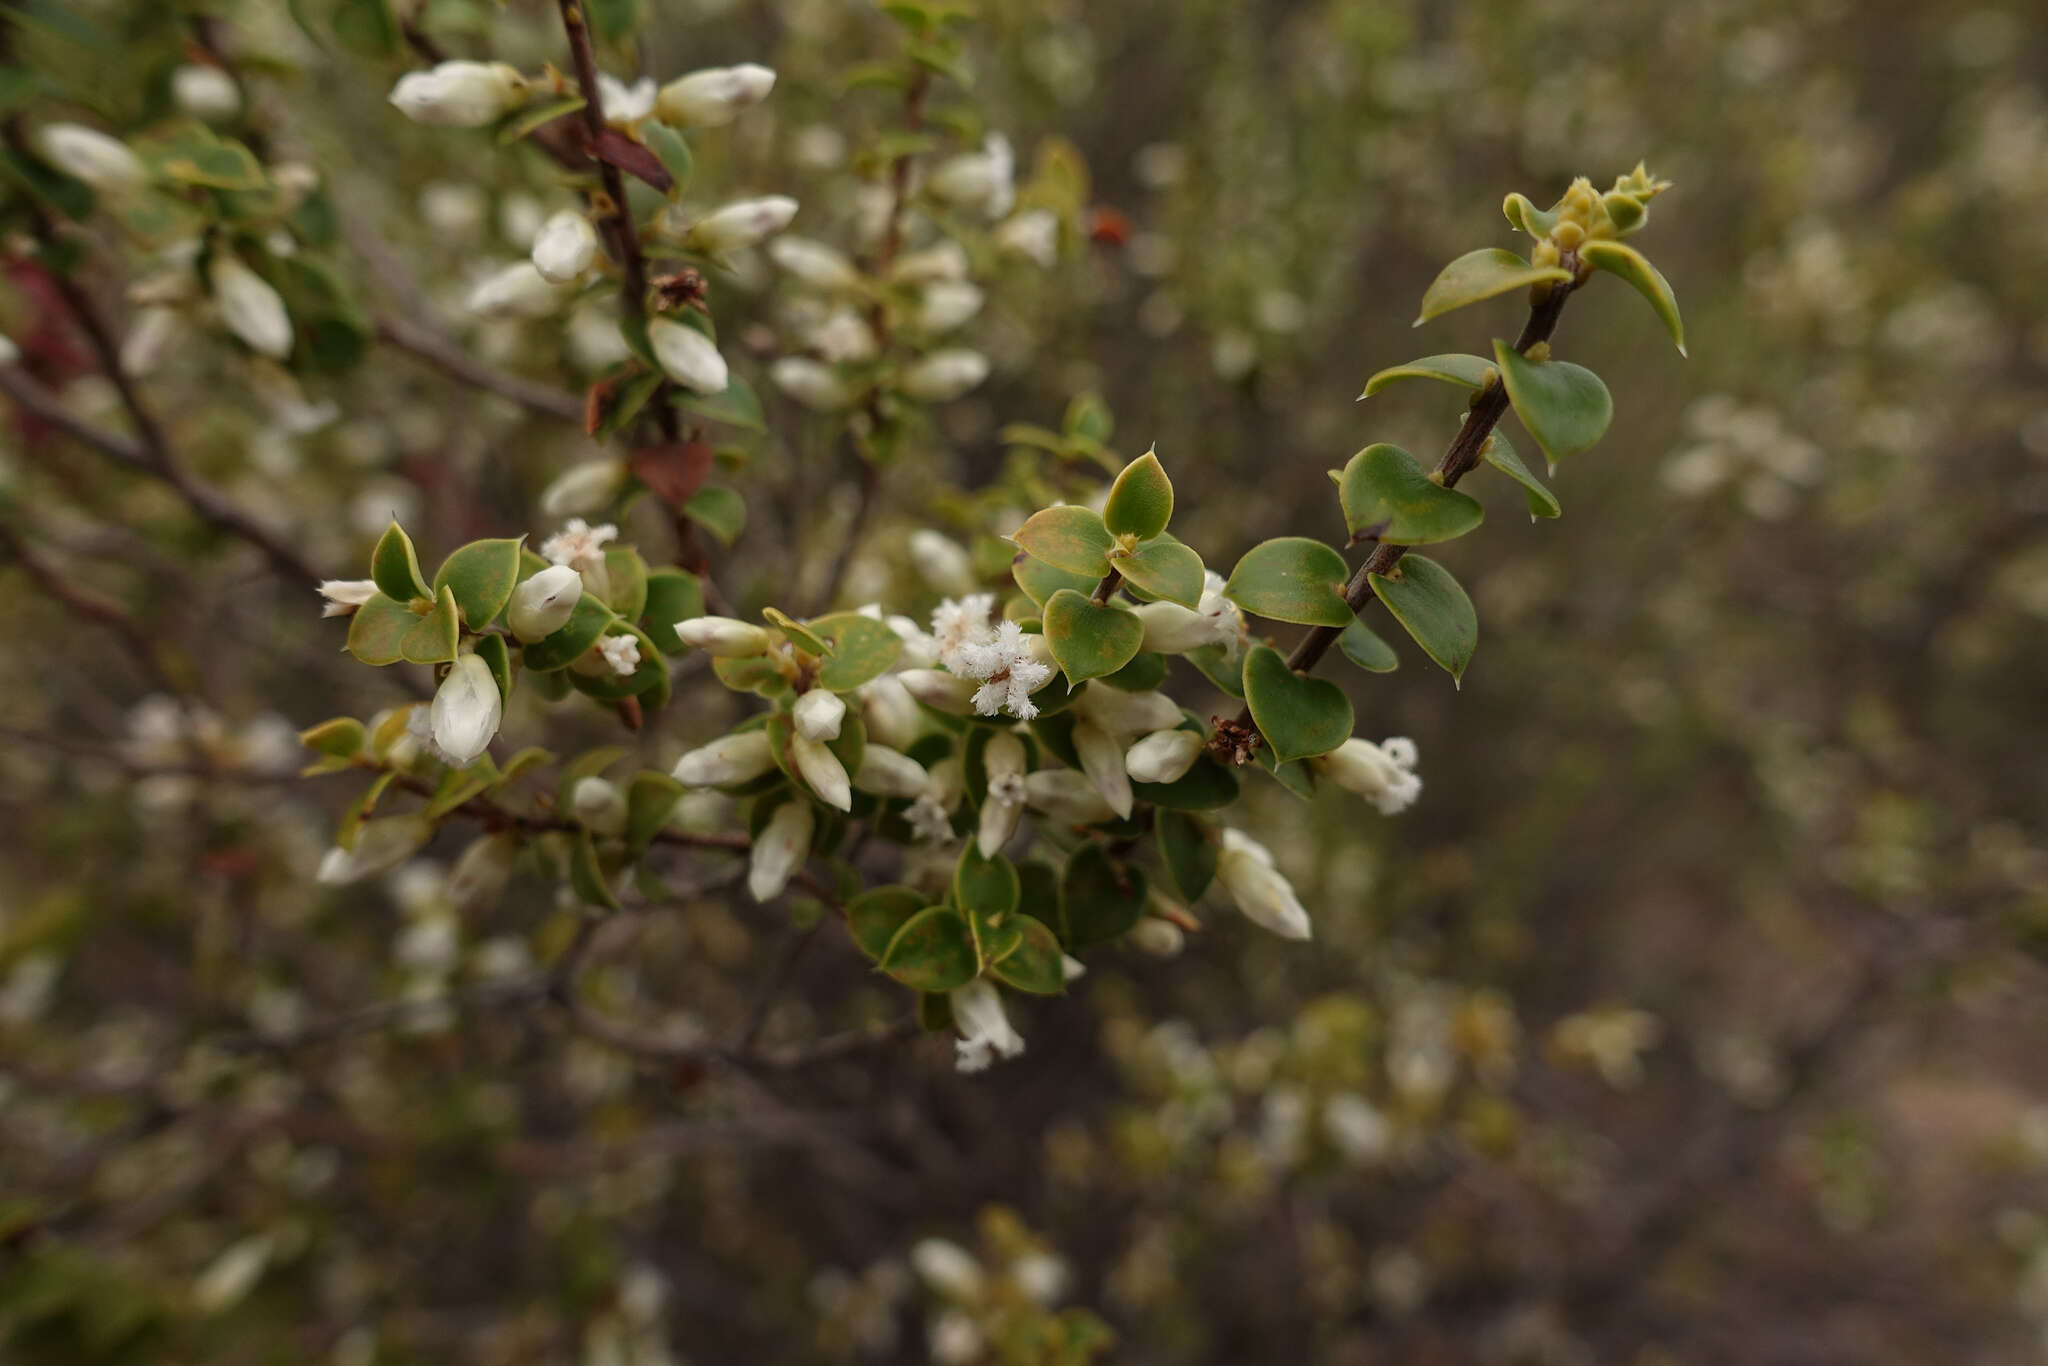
(617, 149)
(673, 470)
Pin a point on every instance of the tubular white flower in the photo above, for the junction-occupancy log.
(889, 712)
(517, 291)
(599, 804)
(724, 637)
(1102, 759)
(1171, 629)
(736, 758)
(89, 155)
(843, 336)
(584, 489)
(1245, 868)
(944, 260)
(944, 375)
(821, 770)
(940, 691)
(1067, 795)
(1002, 806)
(946, 305)
(205, 92)
(542, 604)
(459, 94)
(1159, 937)
(687, 356)
(621, 654)
(250, 308)
(712, 97)
(887, 772)
(480, 875)
(466, 711)
(946, 1267)
(343, 596)
(1164, 756)
(1033, 234)
(930, 820)
(783, 845)
(978, 180)
(1383, 774)
(815, 264)
(743, 223)
(941, 562)
(381, 845)
(1127, 713)
(811, 383)
(565, 247)
(985, 1032)
(818, 714)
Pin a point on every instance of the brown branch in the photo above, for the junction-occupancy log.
(87, 604)
(39, 402)
(446, 356)
(1106, 589)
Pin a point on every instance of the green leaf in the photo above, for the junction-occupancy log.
(481, 574)
(1427, 601)
(1067, 537)
(558, 651)
(874, 916)
(1564, 406)
(377, 628)
(1208, 786)
(933, 951)
(795, 632)
(1619, 258)
(589, 764)
(1090, 639)
(1040, 580)
(673, 150)
(1220, 666)
(1100, 899)
(433, 638)
(396, 566)
(863, 649)
(195, 156)
(1187, 853)
(586, 874)
(649, 799)
(612, 20)
(1036, 965)
(526, 120)
(1296, 777)
(625, 401)
(1483, 274)
(341, 737)
(1499, 454)
(627, 574)
(1526, 216)
(366, 27)
(1163, 568)
(522, 763)
(1140, 501)
(1300, 717)
(737, 405)
(1363, 647)
(1292, 578)
(719, 511)
(1469, 372)
(497, 657)
(673, 595)
(1388, 498)
(1144, 673)
(986, 886)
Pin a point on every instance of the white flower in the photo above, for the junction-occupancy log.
(381, 845)
(10, 354)
(819, 713)
(1383, 774)
(958, 622)
(887, 772)
(815, 264)
(947, 305)
(621, 652)
(599, 805)
(543, 604)
(585, 488)
(1159, 937)
(625, 105)
(724, 637)
(520, 219)
(452, 209)
(480, 875)
(955, 1339)
(250, 308)
(1164, 756)
(1065, 795)
(1128, 713)
(517, 291)
(565, 247)
(205, 92)
(940, 691)
(459, 94)
(1008, 670)
(945, 260)
(232, 1275)
(743, 223)
(1033, 234)
(944, 375)
(89, 155)
(687, 356)
(811, 383)
(1102, 759)
(1357, 1128)
(1245, 869)
(781, 849)
(946, 1267)
(1173, 629)
(1002, 806)
(843, 336)
(985, 1032)
(929, 821)
(1040, 1275)
(889, 712)
(978, 180)
(345, 595)
(821, 770)
(736, 758)
(944, 563)
(711, 97)
(578, 542)
(466, 711)
(143, 349)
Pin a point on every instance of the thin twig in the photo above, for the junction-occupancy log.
(87, 604)
(444, 355)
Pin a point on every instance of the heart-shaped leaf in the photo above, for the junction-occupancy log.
(874, 916)
(377, 628)
(719, 511)
(1140, 501)
(1387, 497)
(433, 638)
(650, 796)
(1142, 674)
(396, 566)
(586, 623)
(1631, 265)
(1036, 965)
(1363, 647)
(1300, 717)
(673, 595)
(933, 951)
(1089, 639)
(1067, 537)
(986, 886)
(1163, 568)
(1100, 899)
(1186, 851)
(1470, 372)
(497, 657)
(863, 649)
(1499, 454)
(1433, 607)
(481, 574)
(1040, 580)
(1564, 406)
(627, 574)
(1291, 578)
(1482, 274)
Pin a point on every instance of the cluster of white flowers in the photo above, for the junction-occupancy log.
(1002, 658)
(1384, 773)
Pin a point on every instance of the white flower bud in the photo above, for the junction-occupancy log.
(736, 758)
(941, 691)
(712, 97)
(1245, 869)
(815, 264)
(783, 845)
(1033, 234)
(1357, 1128)
(565, 247)
(1171, 629)
(888, 772)
(819, 714)
(946, 1267)
(947, 305)
(599, 805)
(1382, 774)
(10, 354)
(1164, 756)
(343, 596)
(459, 94)
(543, 604)
(89, 155)
(978, 180)
(585, 489)
(985, 1035)
(811, 383)
(1128, 713)
(143, 349)
(1065, 795)
(821, 770)
(948, 782)
(205, 92)
(942, 562)
(724, 637)
(381, 845)
(520, 219)
(481, 873)
(743, 223)
(1102, 759)
(945, 260)
(944, 375)
(843, 336)
(250, 308)
(1002, 806)
(1158, 937)
(687, 356)
(466, 711)
(517, 291)
(889, 712)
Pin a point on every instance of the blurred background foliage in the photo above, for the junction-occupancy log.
(1690, 1017)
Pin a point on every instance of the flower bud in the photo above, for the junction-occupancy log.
(888, 772)
(979, 180)
(585, 489)
(712, 97)
(599, 805)
(941, 691)
(565, 247)
(942, 562)
(381, 845)
(811, 383)
(743, 223)
(780, 850)
(944, 260)
(1066, 795)
(143, 349)
(343, 596)
(1382, 774)
(543, 604)
(205, 92)
(1128, 713)
(724, 637)
(946, 1267)
(947, 305)
(687, 356)
(944, 375)
(1102, 759)
(250, 308)
(985, 1035)
(1033, 234)
(819, 714)
(1158, 937)
(889, 712)
(466, 711)
(815, 264)
(517, 291)
(1164, 756)
(89, 155)
(736, 758)
(1245, 868)
(1171, 629)
(459, 94)
(481, 873)
(821, 770)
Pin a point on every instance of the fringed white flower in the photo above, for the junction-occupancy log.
(985, 1032)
